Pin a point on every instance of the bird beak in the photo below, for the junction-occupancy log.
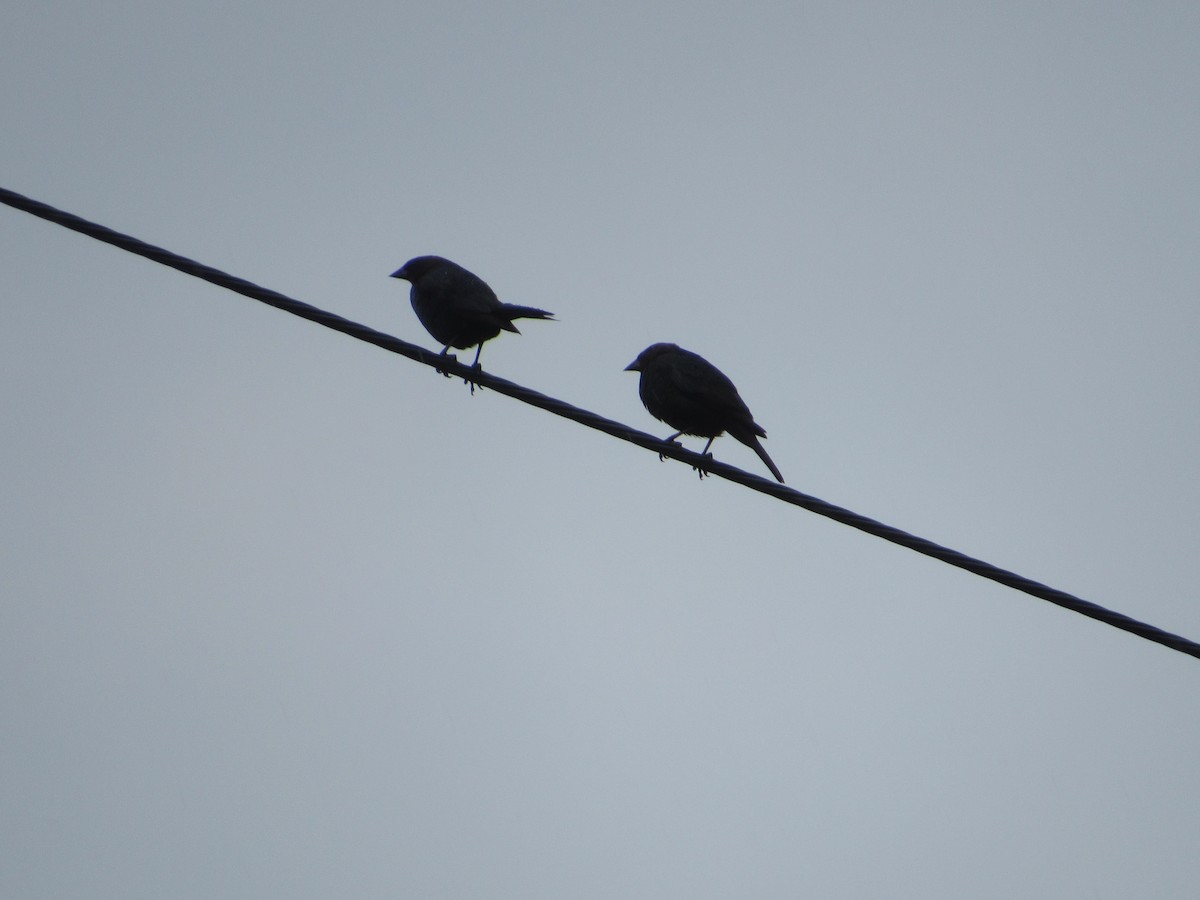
(633, 367)
(399, 273)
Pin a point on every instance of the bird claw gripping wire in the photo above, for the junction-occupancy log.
(662, 457)
(468, 380)
(674, 443)
(451, 357)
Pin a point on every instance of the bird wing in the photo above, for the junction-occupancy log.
(700, 380)
(472, 296)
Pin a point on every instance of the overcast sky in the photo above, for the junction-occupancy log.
(284, 615)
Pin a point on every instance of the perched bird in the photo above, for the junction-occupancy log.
(689, 393)
(457, 307)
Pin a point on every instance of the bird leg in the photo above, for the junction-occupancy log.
(450, 356)
(705, 452)
(475, 365)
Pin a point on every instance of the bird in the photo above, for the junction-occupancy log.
(457, 307)
(689, 393)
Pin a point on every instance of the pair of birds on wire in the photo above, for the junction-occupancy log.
(677, 386)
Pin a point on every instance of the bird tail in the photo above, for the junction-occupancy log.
(757, 446)
(511, 311)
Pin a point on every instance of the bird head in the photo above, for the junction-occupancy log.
(650, 354)
(418, 266)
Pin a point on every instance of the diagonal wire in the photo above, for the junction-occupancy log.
(600, 423)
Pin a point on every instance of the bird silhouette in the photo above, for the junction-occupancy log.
(457, 307)
(692, 395)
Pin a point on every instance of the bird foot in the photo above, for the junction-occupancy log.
(449, 356)
(468, 380)
(702, 472)
(662, 457)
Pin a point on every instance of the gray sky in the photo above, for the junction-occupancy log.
(287, 616)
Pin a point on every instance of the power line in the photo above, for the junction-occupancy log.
(600, 423)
